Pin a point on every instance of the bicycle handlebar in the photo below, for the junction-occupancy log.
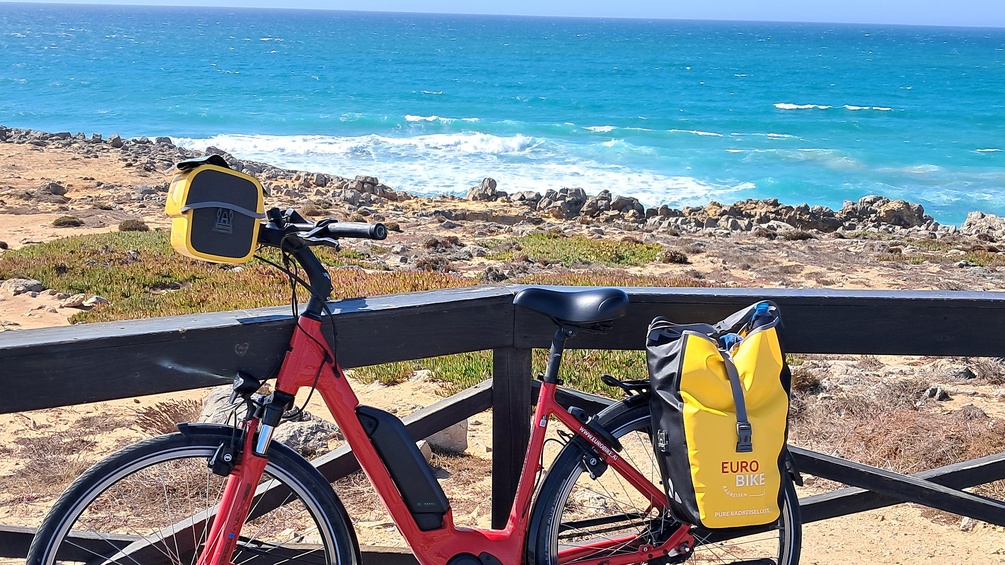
(360, 230)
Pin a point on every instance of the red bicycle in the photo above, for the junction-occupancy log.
(221, 495)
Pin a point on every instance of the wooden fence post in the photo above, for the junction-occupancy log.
(511, 411)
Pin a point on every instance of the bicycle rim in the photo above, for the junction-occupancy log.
(608, 512)
(152, 504)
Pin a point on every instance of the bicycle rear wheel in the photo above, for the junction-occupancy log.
(575, 512)
(152, 503)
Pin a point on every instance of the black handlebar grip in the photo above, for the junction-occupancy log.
(360, 230)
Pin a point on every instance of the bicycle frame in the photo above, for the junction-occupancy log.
(307, 365)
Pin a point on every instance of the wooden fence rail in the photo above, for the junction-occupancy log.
(67, 366)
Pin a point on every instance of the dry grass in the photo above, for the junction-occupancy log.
(891, 425)
(989, 369)
(164, 417)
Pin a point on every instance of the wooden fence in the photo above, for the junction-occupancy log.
(74, 365)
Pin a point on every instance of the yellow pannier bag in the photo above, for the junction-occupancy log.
(720, 401)
(215, 211)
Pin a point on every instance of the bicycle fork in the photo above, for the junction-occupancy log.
(235, 502)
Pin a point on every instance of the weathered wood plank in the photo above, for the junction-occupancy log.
(816, 321)
(511, 412)
(88, 363)
(853, 500)
(905, 487)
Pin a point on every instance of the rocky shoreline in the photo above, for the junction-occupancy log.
(763, 218)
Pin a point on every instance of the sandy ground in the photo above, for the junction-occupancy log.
(905, 534)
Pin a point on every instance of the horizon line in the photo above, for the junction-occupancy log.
(510, 15)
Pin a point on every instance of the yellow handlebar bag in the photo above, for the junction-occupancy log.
(719, 403)
(215, 211)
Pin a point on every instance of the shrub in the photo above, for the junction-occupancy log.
(133, 225)
(67, 222)
(674, 256)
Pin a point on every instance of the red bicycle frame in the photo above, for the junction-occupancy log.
(308, 363)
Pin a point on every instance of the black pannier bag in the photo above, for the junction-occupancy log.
(720, 402)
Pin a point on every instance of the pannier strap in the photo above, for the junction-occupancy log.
(227, 205)
(744, 433)
(214, 159)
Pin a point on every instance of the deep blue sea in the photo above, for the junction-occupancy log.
(675, 112)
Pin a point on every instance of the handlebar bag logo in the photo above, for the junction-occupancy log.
(224, 221)
(215, 211)
(719, 403)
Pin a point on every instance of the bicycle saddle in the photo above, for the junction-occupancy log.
(575, 307)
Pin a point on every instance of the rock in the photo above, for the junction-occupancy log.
(492, 274)
(941, 369)
(14, 287)
(53, 188)
(452, 440)
(979, 223)
(528, 197)
(484, 192)
(94, 301)
(425, 450)
(967, 524)
(595, 205)
(938, 393)
(216, 407)
(319, 179)
(75, 301)
(901, 213)
(564, 204)
(309, 436)
(163, 141)
(115, 141)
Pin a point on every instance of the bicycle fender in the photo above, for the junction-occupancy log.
(205, 428)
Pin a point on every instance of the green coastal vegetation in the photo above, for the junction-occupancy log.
(142, 276)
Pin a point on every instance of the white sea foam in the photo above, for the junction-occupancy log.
(601, 129)
(452, 163)
(790, 106)
(696, 132)
(411, 118)
(922, 169)
(989, 150)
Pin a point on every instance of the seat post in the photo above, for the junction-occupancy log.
(555, 353)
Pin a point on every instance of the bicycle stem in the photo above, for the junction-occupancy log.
(274, 234)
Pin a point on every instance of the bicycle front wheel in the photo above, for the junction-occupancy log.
(579, 518)
(153, 503)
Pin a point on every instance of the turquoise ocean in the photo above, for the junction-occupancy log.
(674, 112)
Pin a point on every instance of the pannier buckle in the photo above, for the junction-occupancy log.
(743, 434)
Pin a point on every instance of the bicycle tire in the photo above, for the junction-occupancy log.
(572, 509)
(139, 494)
